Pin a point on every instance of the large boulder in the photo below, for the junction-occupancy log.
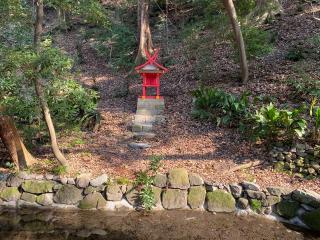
(279, 191)
(68, 194)
(287, 208)
(178, 178)
(312, 219)
(174, 199)
(93, 200)
(10, 194)
(196, 197)
(307, 197)
(37, 187)
(220, 201)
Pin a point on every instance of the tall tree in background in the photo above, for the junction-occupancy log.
(229, 6)
(39, 88)
(145, 39)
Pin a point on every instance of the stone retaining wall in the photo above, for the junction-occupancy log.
(176, 190)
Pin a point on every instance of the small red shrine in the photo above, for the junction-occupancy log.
(151, 72)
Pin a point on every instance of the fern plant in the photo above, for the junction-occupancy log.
(275, 124)
(218, 106)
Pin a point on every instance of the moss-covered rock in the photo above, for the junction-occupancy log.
(160, 180)
(157, 194)
(307, 197)
(37, 187)
(10, 194)
(68, 194)
(287, 208)
(220, 201)
(28, 197)
(45, 199)
(174, 199)
(195, 179)
(312, 219)
(93, 200)
(196, 197)
(256, 205)
(178, 178)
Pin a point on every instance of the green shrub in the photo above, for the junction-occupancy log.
(219, 106)
(258, 42)
(275, 124)
(315, 118)
(295, 54)
(256, 205)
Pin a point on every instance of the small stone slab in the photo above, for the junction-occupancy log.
(220, 201)
(307, 197)
(28, 197)
(45, 199)
(157, 194)
(10, 194)
(160, 180)
(250, 186)
(256, 194)
(139, 145)
(14, 181)
(68, 194)
(98, 181)
(37, 187)
(174, 199)
(236, 190)
(243, 203)
(195, 179)
(93, 200)
(196, 197)
(278, 191)
(82, 181)
(114, 192)
(178, 178)
(144, 135)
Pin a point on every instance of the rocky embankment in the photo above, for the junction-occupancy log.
(176, 190)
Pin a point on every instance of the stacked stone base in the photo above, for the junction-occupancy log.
(176, 190)
(149, 112)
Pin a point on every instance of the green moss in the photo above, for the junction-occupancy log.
(37, 187)
(220, 201)
(256, 205)
(178, 178)
(287, 209)
(196, 197)
(312, 219)
(123, 181)
(28, 197)
(10, 194)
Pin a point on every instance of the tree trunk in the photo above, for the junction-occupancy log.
(13, 143)
(39, 88)
(239, 39)
(145, 41)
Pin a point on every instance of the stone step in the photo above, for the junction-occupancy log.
(142, 127)
(138, 145)
(139, 118)
(151, 112)
(151, 107)
(143, 135)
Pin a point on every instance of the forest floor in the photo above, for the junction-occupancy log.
(182, 141)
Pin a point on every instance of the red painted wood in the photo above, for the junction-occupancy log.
(151, 78)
